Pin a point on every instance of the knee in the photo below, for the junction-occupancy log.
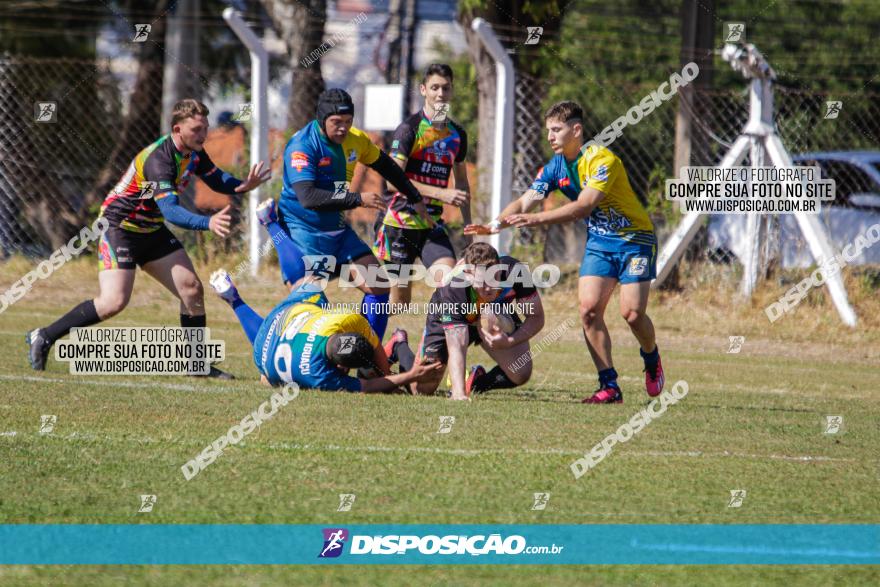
(590, 313)
(632, 315)
(191, 291)
(110, 304)
(425, 387)
(521, 375)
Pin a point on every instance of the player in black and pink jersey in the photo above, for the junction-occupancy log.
(430, 147)
(136, 210)
(487, 301)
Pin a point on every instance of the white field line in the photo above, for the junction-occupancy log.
(463, 451)
(171, 386)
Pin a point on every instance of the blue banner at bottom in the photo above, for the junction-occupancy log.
(704, 544)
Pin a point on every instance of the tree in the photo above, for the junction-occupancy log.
(510, 20)
(144, 117)
(300, 24)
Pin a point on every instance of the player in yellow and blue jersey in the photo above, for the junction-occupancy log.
(621, 244)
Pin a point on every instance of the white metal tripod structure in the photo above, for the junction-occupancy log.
(760, 140)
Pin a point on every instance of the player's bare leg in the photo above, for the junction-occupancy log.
(403, 293)
(428, 384)
(177, 274)
(513, 368)
(115, 292)
(116, 286)
(359, 268)
(593, 295)
(633, 308)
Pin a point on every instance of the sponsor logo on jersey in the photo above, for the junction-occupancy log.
(352, 156)
(299, 160)
(324, 162)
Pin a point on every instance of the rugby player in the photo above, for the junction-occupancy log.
(299, 341)
(481, 284)
(621, 245)
(319, 161)
(136, 209)
(429, 147)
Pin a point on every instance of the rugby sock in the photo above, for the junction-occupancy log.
(608, 378)
(405, 357)
(650, 358)
(81, 316)
(372, 307)
(189, 321)
(289, 256)
(250, 321)
(494, 379)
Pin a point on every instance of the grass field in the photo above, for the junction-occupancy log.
(753, 421)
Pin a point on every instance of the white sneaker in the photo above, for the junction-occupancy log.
(223, 286)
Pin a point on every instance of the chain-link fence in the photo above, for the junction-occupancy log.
(817, 128)
(54, 117)
(68, 134)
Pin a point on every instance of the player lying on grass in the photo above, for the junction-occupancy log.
(474, 308)
(136, 209)
(430, 148)
(621, 246)
(299, 341)
(319, 161)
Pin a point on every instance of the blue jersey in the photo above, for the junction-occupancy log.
(311, 156)
(292, 341)
(619, 222)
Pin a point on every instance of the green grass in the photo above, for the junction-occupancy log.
(749, 422)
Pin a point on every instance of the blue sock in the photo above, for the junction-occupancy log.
(378, 320)
(250, 321)
(289, 256)
(608, 378)
(650, 358)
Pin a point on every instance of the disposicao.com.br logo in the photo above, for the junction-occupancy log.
(430, 544)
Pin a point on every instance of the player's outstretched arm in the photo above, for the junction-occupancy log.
(463, 186)
(256, 177)
(388, 169)
(457, 196)
(226, 183)
(314, 198)
(392, 382)
(576, 210)
(381, 360)
(519, 206)
(169, 205)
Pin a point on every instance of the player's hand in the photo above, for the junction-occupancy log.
(256, 176)
(422, 211)
(480, 229)
(421, 369)
(452, 196)
(496, 339)
(219, 223)
(372, 200)
(523, 220)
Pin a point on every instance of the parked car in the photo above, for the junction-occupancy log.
(856, 206)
